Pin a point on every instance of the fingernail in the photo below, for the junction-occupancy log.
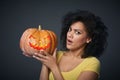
(35, 53)
(42, 50)
(33, 56)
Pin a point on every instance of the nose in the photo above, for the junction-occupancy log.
(70, 34)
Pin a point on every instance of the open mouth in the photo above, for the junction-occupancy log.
(69, 42)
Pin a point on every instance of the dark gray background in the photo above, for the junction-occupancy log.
(16, 16)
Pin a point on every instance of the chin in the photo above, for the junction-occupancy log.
(70, 47)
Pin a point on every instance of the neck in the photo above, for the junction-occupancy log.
(75, 53)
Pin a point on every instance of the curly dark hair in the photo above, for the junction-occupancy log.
(95, 28)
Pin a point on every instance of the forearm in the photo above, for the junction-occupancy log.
(44, 75)
(57, 74)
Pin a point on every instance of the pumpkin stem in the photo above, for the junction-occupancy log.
(39, 27)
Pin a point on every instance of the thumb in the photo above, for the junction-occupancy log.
(55, 52)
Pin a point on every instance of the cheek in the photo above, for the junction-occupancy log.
(80, 40)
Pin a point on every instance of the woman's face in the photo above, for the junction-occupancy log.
(77, 36)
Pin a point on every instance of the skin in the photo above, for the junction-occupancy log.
(76, 41)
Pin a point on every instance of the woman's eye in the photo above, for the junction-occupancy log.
(77, 32)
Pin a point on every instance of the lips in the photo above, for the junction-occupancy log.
(69, 42)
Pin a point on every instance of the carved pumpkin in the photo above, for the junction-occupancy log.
(33, 40)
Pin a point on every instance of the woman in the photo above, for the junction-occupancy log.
(84, 38)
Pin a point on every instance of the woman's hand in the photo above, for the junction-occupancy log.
(50, 62)
(46, 58)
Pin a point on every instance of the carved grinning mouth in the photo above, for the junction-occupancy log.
(41, 44)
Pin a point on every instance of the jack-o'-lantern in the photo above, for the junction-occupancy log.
(33, 40)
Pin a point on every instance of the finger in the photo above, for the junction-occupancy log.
(45, 53)
(40, 59)
(55, 52)
(41, 52)
(26, 54)
(40, 55)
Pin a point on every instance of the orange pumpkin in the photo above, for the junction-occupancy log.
(33, 40)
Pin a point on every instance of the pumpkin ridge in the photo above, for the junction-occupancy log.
(23, 41)
(50, 38)
(26, 33)
(53, 40)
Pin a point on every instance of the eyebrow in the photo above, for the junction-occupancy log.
(76, 29)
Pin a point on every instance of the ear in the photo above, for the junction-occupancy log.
(88, 40)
